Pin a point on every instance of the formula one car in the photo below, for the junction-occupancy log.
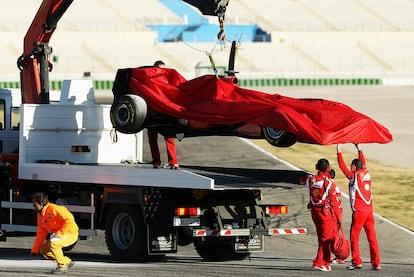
(163, 100)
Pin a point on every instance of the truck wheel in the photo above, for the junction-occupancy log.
(128, 113)
(185, 236)
(278, 138)
(216, 249)
(125, 233)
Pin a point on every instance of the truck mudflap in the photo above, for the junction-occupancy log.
(160, 243)
(254, 244)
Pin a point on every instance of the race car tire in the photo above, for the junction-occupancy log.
(128, 113)
(278, 138)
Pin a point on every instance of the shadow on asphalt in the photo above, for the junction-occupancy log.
(24, 254)
(251, 177)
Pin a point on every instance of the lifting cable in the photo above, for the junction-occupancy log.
(114, 135)
(210, 53)
(221, 39)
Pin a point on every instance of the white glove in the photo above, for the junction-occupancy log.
(53, 237)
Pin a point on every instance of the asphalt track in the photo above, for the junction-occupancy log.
(283, 255)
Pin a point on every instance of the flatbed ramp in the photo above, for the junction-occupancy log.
(197, 177)
(237, 178)
(115, 175)
(64, 143)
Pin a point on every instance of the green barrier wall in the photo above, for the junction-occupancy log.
(276, 82)
(308, 82)
(9, 84)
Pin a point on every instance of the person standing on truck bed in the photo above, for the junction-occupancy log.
(57, 222)
(169, 143)
(324, 204)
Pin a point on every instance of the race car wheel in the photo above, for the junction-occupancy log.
(125, 233)
(278, 138)
(128, 113)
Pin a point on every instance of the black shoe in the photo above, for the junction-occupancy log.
(354, 266)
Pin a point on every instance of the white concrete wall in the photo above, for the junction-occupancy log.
(368, 37)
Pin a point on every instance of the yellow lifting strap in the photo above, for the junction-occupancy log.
(213, 64)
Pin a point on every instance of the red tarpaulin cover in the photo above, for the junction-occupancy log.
(219, 101)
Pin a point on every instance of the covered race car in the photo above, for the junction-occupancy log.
(162, 100)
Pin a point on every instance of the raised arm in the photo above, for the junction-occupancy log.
(348, 173)
(360, 154)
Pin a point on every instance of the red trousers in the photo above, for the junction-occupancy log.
(364, 220)
(155, 151)
(325, 224)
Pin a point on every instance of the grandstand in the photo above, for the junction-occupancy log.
(325, 15)
(309, 39)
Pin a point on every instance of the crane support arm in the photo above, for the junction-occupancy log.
(34, 62)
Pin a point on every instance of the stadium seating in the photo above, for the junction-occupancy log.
(323, 15)
(309, 39)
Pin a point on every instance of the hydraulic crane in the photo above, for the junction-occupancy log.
(34, 63)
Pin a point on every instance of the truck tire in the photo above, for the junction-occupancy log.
(125, 233)
(185, 236)
(278, 138)
(128, 113)
(218, 249)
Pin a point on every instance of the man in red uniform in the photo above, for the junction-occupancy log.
(332, 173)
(324, 203)
(169, 143)
(360, 196)
(59, 223)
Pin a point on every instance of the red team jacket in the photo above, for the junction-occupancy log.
(324, 193)
(360, 185)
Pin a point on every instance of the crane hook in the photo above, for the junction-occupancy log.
(221, 34)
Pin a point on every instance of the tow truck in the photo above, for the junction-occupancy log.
(64, 145)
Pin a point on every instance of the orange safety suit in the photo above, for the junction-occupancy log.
(360, 196)
(57, 221)
(324, 203)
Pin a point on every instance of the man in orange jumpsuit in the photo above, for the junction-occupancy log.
(324, 203)
(169, 143)
(360, 196)
(59, 223)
